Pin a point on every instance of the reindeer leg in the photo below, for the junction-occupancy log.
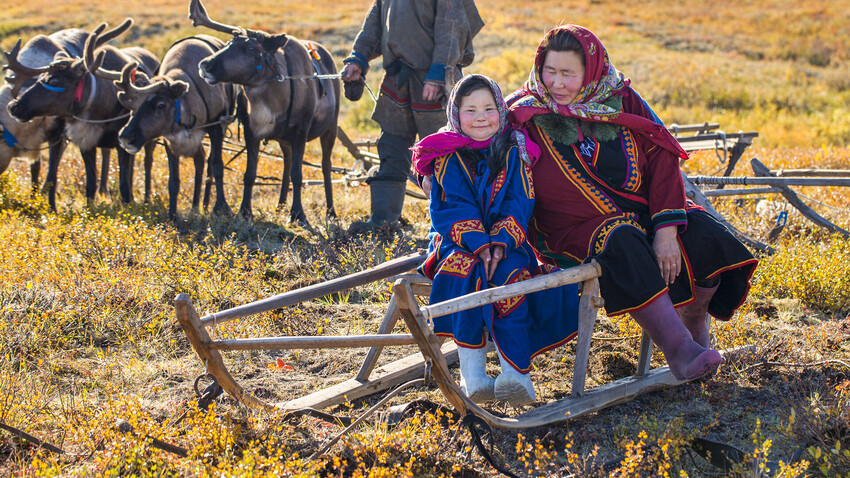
(252, 147)
(90, 162)
(149, 147)
(296, 213)
(126, 164)
(57, 147)
(199, 160)
(286, 149)
(208, 182)
(216, 134)
(103, 189)
(35, 173)
(173, 181)
(327, 141)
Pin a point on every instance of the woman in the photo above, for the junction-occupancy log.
(608, 187)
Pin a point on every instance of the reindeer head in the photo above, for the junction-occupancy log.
(57, 87)
(157, 108)
(247, 59)
(18, 75)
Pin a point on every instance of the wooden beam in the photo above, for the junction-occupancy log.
(603, 396)
(387, 325)
(784, 173)
(188, 319)
(382, 378)
(488, 296)
(761, 170)
(770, 180)
(588, 307)
(382, 271)
(739, 192)
(312, 342)
(428, 344)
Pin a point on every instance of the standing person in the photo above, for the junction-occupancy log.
(424, 43)
(609, 188)
(481, 200)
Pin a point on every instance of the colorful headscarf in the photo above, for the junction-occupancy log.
(450, 137)
(601, 82)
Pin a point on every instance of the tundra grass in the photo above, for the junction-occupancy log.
(88, 337)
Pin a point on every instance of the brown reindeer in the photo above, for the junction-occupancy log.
(89, 106)
(25, 140)
(284, 100)
(180, 107)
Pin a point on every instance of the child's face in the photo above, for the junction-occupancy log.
(479, 117)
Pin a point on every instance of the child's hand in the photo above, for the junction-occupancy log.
(486, 258)
(498, 255)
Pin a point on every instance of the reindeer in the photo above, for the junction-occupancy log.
(177, 105)
(89, 106)
(283, 100)
(24, 140)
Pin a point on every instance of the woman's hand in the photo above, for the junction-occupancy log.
(426, 185)
(666, 248)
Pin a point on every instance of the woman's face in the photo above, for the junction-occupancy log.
(563, 75)
(479, 116)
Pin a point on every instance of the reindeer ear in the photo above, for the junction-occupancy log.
(178, 89)
(275, 41)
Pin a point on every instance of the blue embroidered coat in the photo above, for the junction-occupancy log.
(468, 215)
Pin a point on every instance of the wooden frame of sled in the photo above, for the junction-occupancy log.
(404, 304)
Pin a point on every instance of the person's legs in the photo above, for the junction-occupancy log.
(512, 385)
(695, 315)
(687, 359)
(474, 381)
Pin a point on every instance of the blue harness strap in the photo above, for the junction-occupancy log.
(56, 89)
(177, 110)
(9, 138)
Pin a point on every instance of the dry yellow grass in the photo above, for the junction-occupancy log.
(87, 334)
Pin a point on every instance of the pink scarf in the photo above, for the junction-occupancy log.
(450, 138)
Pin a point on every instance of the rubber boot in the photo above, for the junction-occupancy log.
(695, 315)
(687, 359)
(474, 381)
(512, 386)
(387, 203)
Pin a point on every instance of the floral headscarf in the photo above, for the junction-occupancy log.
(450, 137)
(601, 82)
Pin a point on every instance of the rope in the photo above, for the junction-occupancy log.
(470, 421)
(369, 412)
(85, 120)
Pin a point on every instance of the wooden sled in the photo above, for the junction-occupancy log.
(404, 304)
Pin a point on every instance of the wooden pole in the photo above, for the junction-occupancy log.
(785, 173)
(740, 192)
(488, 296)
(588, 307)
(762, 170)
(428, 343)
(188, 319)
(382, 271)
(308, 342)
(770, 181)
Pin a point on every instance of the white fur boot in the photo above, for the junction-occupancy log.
(513, 387)
(474, 381)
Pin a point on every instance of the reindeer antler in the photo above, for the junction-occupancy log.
(112, 34)
(17, 67)
(93, 63)
(199, 17)
(127, 81)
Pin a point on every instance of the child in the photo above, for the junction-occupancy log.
(481, 200)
